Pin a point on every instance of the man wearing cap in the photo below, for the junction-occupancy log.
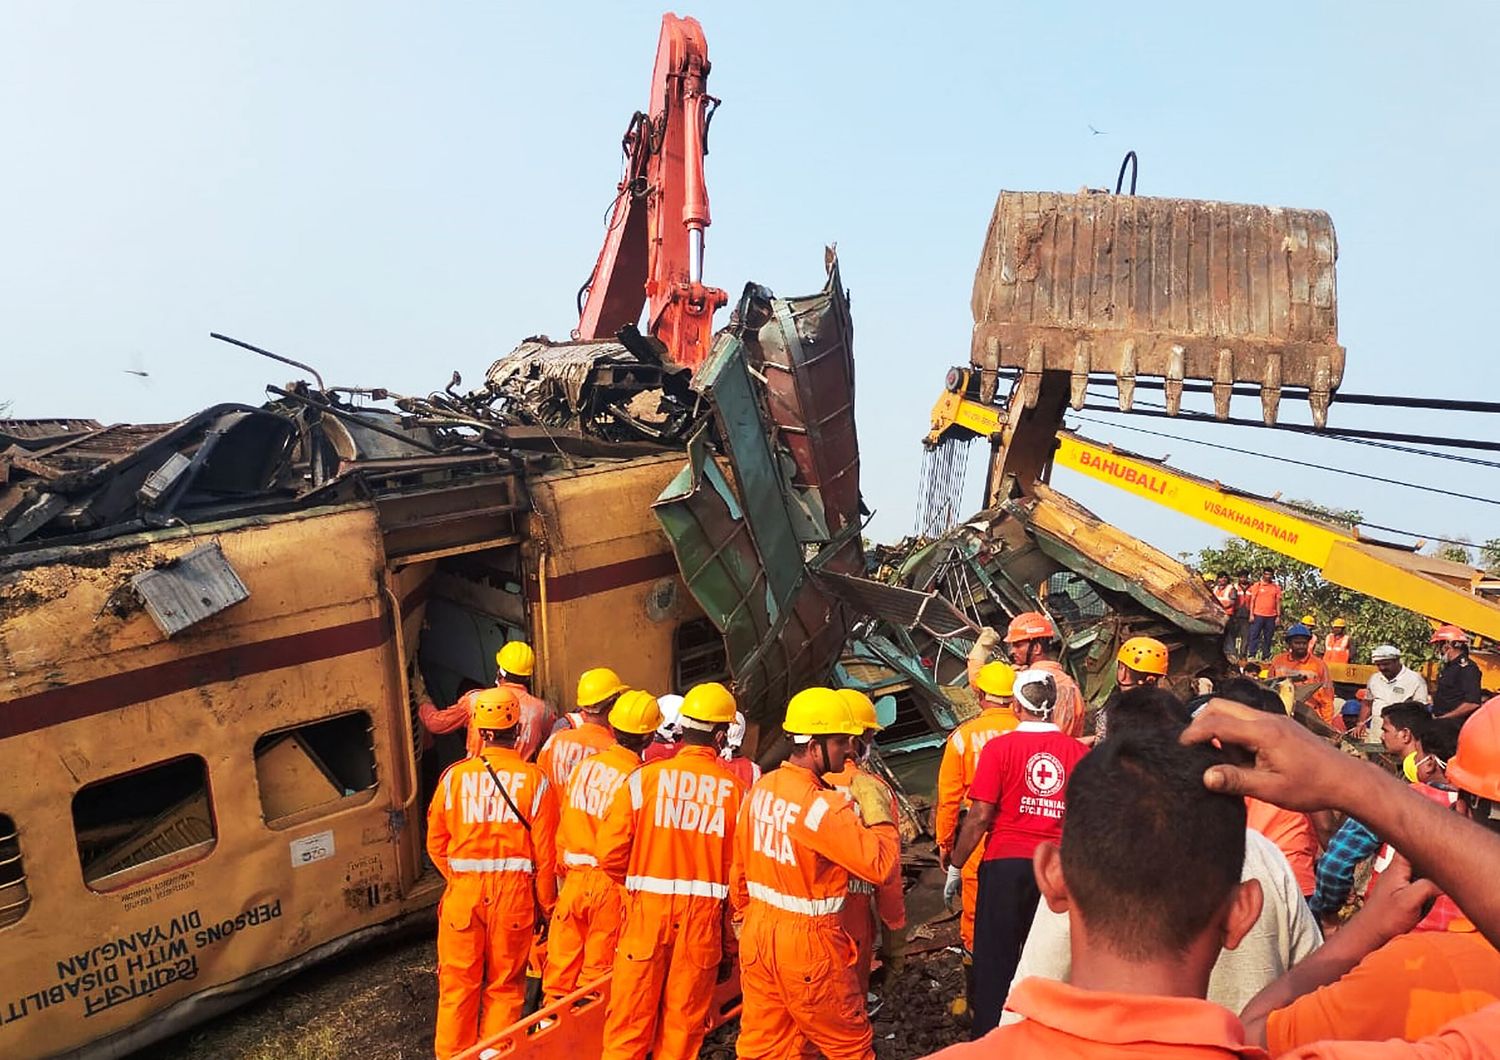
(1017, 802)
(1302, 667)
(1392, 682)
(994, 683)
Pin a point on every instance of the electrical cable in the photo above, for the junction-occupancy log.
(1304, 508)
(1298, 463)
(1299, 393)
(1376, 439)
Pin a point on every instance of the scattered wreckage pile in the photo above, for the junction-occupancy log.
(764, 519)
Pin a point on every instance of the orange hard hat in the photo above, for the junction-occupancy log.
(1475, 767)
(496, 708)
(1030, 625)
(1144, 655)
(1449, 634)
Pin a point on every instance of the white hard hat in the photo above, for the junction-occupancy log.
(1036, 692)
(1385, 651)
(671, 707)
(736, 734)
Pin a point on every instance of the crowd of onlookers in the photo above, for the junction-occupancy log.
(1208, 877)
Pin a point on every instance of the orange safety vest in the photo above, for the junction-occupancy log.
(1228, 597)
(1336, 648)
(564, 750)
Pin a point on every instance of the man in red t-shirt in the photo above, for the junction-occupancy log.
(1016, 801)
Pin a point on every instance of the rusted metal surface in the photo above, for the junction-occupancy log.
(743, 550)
(606, 389)
(803, 347)
(1173, 288)
(190, 588)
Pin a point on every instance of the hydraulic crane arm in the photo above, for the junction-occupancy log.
(653, 250)
(1436, 588)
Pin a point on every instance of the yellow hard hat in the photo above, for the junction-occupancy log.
(996, 679)
(1144, 655)
(820, 712)
(1339, 623)
(710, 703)
(597, 685)
(1309, 620)
(496, 708)
(516, 658)
(863, 709)
(635, 712)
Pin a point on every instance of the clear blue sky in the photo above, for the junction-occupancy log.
(392, 191)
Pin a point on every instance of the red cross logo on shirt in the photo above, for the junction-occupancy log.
(1044, 774)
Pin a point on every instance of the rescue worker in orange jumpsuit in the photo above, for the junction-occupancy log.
(566, 747)
(1304, 668)
(668, 836)
(492, 833)
(796, 846)
(871, 904)
(994, 683)
(1032, 642)
(586, 922)
(515, 663)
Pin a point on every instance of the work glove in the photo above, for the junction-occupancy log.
(987, 641)
(872, 798)
(953, 888)
(893, 952)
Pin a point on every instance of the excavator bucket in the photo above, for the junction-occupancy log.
(1177, 289)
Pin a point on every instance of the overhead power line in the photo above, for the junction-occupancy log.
(1303, 463)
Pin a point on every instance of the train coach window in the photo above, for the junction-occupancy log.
(313, 768)
(700, 654)
(160, 816)
(15, 896)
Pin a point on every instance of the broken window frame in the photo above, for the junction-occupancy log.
(686, 670)
(169, 861)
(13, 906)
(351, 799)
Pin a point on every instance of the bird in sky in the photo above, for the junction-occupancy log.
(1097, 132)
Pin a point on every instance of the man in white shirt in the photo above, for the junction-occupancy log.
(1392, 683)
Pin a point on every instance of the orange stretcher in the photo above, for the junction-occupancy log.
(574, 1025)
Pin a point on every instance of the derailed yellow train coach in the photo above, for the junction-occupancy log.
(215, 635)
(189, 817)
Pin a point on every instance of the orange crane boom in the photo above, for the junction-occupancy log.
(653, 249)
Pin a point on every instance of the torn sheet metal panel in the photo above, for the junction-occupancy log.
(803, 347)
(1171, 288)
(781, 634)
(1081, 541)
(188, 590)
(602, 388)
(907, 608)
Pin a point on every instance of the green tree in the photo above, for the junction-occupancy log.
(1306, 592)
